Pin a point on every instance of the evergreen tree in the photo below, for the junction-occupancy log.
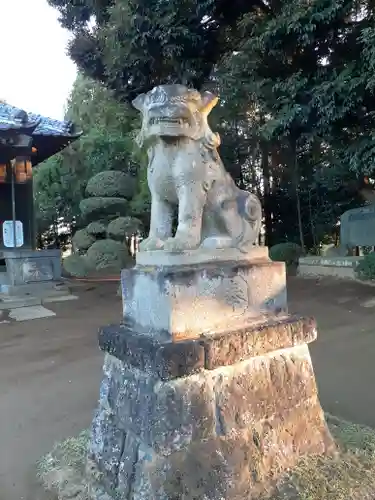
(107, 143)
(296, 80)
(136, 44)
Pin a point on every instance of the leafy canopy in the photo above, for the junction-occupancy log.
(133, 45)
(107, 144)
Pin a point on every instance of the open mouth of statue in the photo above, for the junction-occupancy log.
(168, 121)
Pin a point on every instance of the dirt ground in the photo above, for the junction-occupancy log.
(50, 369)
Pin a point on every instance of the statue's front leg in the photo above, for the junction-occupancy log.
(160, 225)
(191, 202)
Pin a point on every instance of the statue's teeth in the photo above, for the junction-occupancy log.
(174, 121)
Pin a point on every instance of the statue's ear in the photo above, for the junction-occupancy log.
(209, 101)
(138, 102)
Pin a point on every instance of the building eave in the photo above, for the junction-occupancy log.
(49, 136)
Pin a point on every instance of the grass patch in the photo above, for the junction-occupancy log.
(62, 470)
(348, 476)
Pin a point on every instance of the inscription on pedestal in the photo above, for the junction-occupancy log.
(33, 272)
(27, 267)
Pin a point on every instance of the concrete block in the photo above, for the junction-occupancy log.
(31, 312)
(339, 267)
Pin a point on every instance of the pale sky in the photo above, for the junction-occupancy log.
(36, 74)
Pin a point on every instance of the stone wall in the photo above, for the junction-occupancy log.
(339, 267)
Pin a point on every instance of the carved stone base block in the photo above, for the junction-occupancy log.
(30, 272)
(180, 300)
(29, 266)
(216, 417)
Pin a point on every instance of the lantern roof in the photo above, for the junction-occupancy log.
(49, 136)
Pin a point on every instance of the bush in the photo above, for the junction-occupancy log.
(97, 228)
(82, 240)
(104, 254)
(121, 227)
(286, 252)
(366, 268)
(111, 183)
(96, 208)
(76, 266)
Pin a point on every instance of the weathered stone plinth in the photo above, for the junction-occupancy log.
(215, 417)
(30, 270)
(339, 267)
(189, 293)
(208, 390)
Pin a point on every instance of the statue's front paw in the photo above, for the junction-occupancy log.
(151, 243)
(180, 243)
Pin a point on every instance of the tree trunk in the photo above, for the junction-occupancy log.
(312, 226)
(267, 194)
(241, 183)
(295, 179)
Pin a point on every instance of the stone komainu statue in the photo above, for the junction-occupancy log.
(185, 171)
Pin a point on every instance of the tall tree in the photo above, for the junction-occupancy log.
(306, 67)
(136, 44)
(107, 144)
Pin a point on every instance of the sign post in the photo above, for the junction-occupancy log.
(13, 166)
(13, 234)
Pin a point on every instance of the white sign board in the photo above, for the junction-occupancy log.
(8, 237)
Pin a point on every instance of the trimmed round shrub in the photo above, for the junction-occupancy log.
(111, 183)
(97, 228)
(108, 254)
(286, 252)
(121, 227)
(95, 208)
(76, 265)
(366, 268)
(82, 240)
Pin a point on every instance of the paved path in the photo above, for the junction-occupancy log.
(50, 370)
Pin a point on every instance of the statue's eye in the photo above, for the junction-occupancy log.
(194, 95)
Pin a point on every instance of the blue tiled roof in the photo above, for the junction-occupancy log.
(14, 118)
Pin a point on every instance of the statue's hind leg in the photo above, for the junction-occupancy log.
(236, 226)
(214, 234)
(233, 216)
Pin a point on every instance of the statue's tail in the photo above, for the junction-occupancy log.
(250, 210)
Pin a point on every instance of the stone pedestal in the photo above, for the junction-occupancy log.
(28, 270)
(213, 413)
(183, 295)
